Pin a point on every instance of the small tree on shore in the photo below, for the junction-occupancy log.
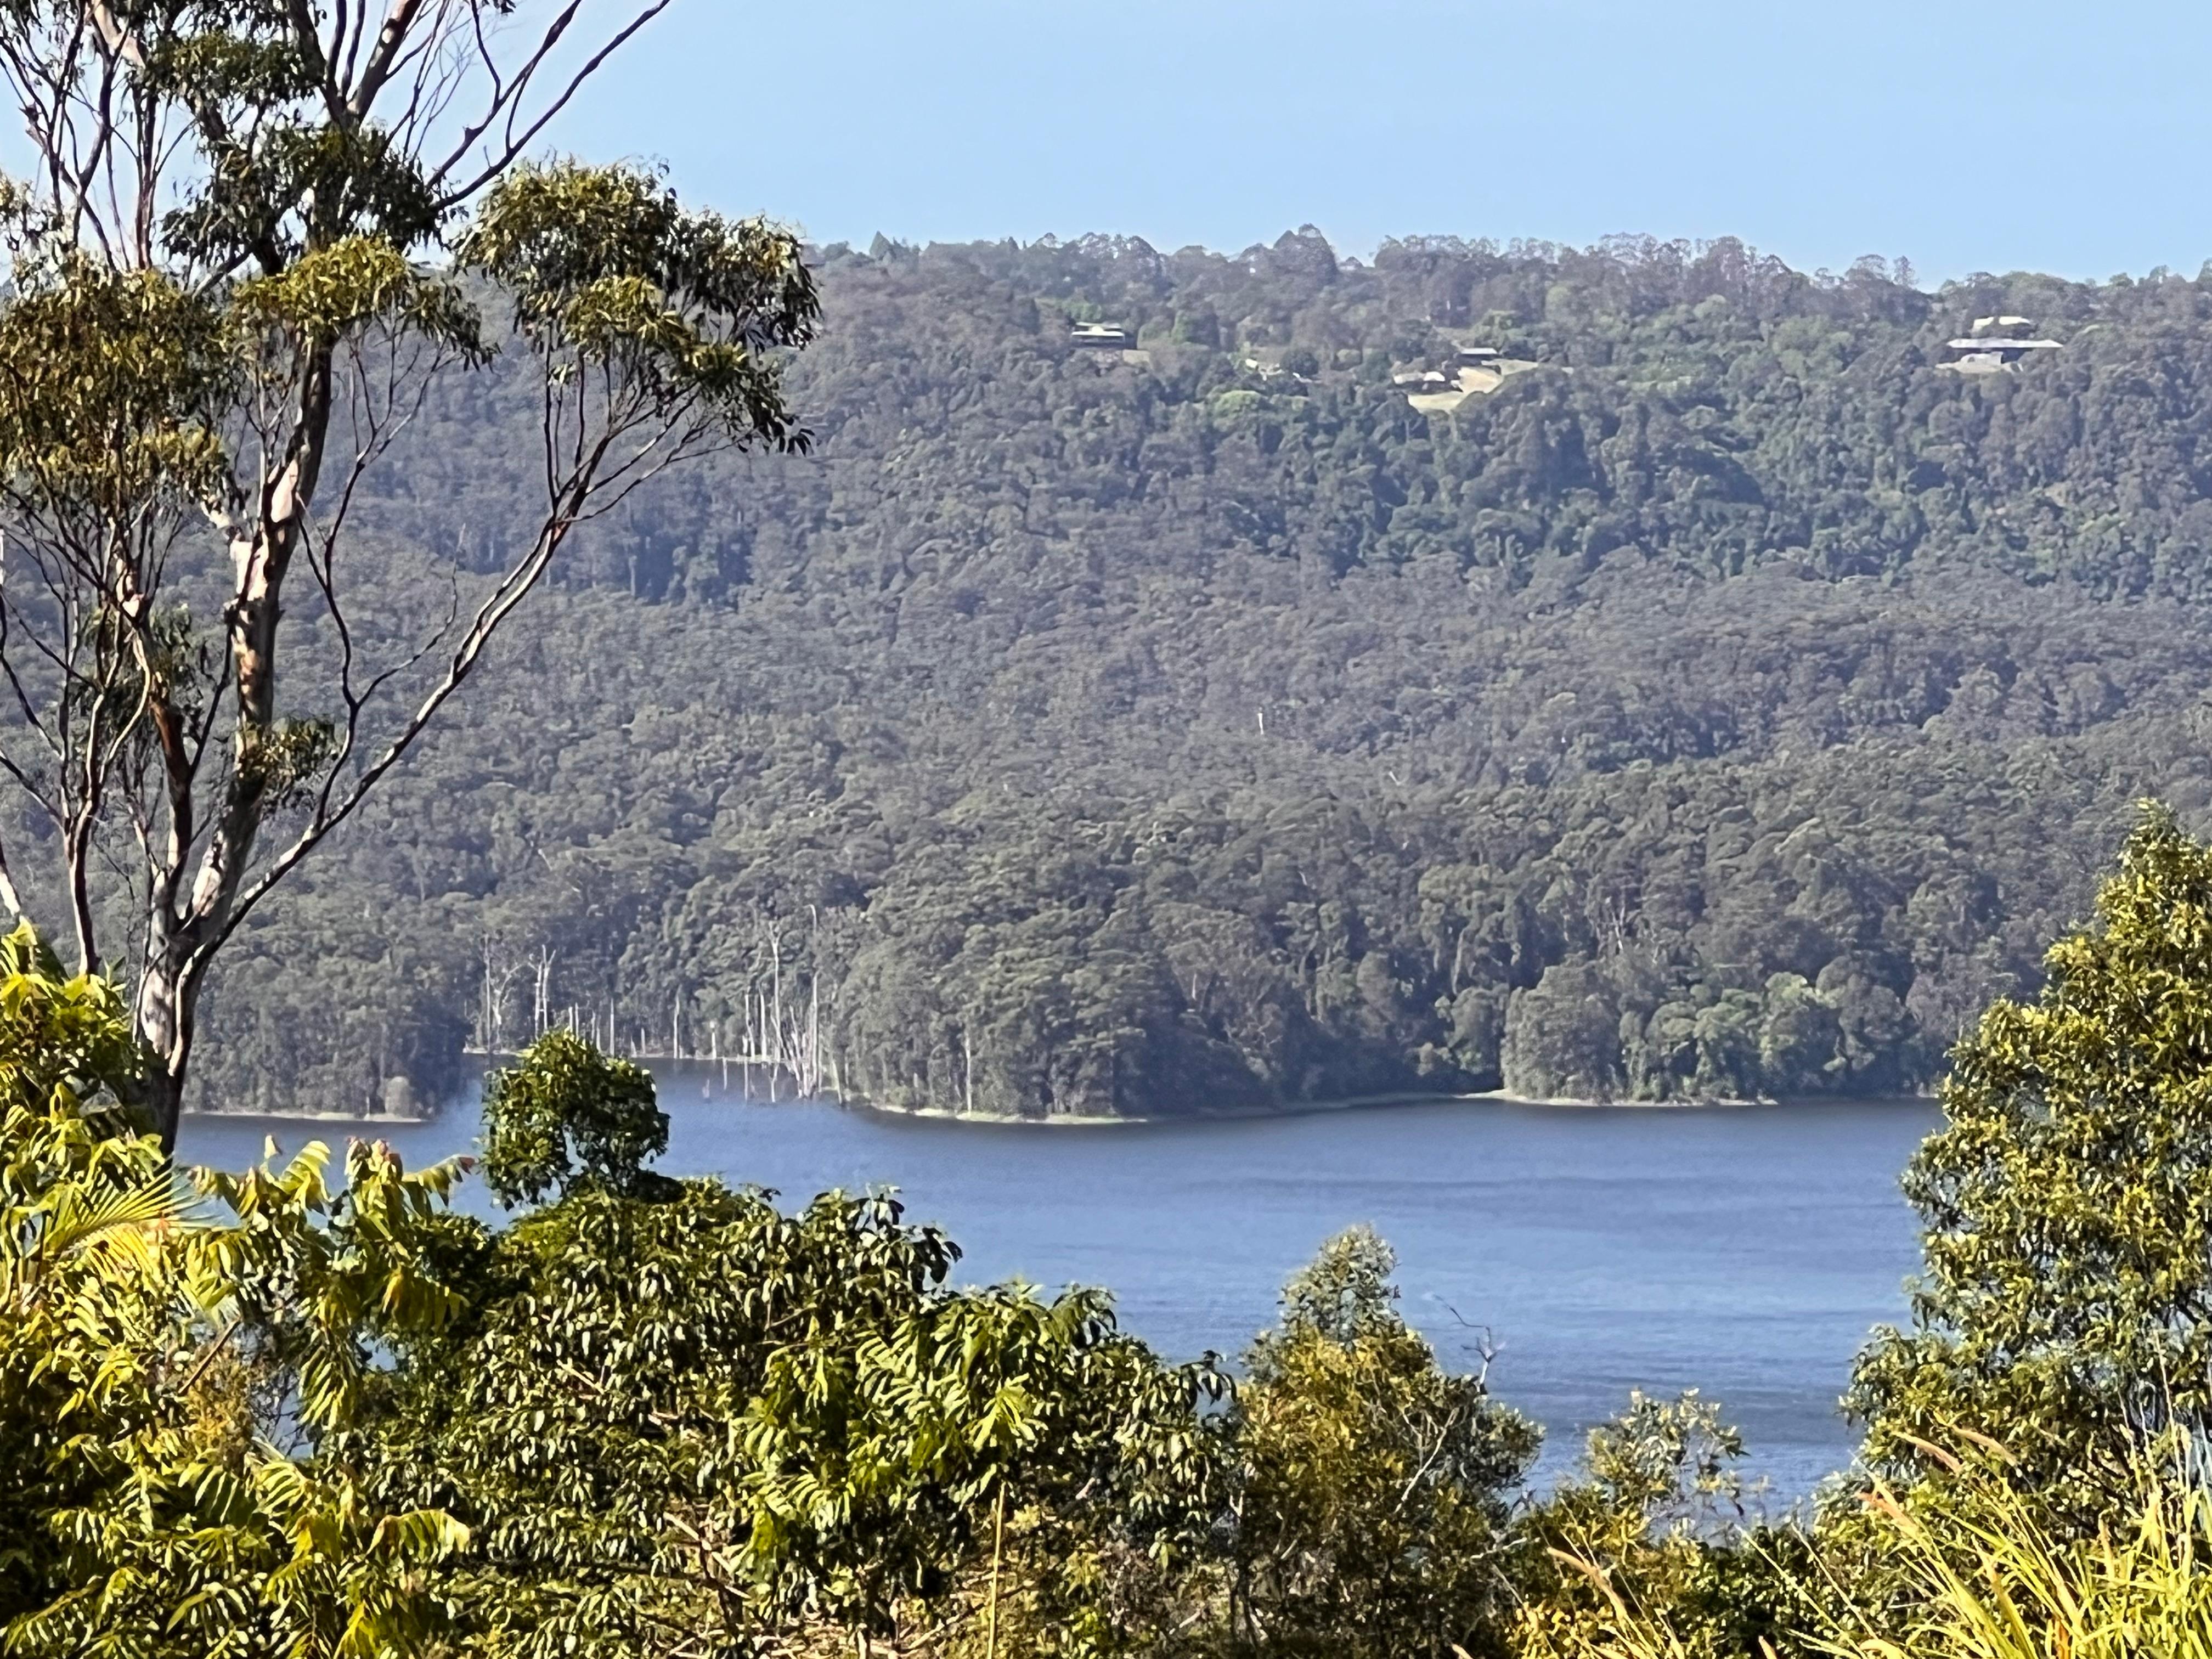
(239, 263)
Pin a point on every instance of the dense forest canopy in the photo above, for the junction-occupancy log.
(1729, 703)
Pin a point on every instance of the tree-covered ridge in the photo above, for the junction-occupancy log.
(1728, 705)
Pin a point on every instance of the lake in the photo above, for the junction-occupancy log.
(1742, 1251)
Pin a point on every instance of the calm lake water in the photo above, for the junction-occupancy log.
(1744, 1252)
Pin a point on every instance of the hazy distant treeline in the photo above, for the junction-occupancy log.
(1729, 705)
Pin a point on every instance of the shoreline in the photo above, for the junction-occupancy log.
(312, 1117)
(1234, 1115)
(1308, 1109)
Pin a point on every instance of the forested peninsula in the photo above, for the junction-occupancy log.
(1645, 672)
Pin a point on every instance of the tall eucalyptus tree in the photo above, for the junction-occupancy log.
(250, 241)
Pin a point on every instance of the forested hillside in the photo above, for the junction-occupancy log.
(1731, 704)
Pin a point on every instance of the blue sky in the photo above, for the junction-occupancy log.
(1964, 135)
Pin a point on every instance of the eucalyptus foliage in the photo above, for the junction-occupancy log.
(252, 238)
(1654, 1530)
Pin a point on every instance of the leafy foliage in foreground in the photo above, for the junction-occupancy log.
(2066, 1307)
(668, 1419)
(168, 1361)
(565, 1113)
(1374, 1486)
(1653, 1526)
(679, 1422)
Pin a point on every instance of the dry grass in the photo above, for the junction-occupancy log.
(1989, 1577)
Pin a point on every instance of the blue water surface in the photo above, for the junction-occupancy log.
(1742, 1251)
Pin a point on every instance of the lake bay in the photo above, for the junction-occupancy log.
(1743, 1251)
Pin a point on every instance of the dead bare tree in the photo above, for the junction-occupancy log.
(252, 240)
